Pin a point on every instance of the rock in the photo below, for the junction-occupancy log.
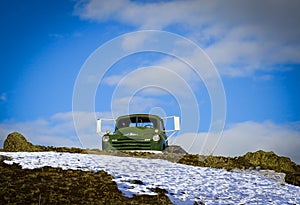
(271, 174)
(16, 142)
(2, 158)
(269, 160)
(175, 149)
(136, 181)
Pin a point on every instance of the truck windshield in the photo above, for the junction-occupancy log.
(137, 122)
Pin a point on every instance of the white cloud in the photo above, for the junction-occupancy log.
(112, 80)
(56, 35)
(161, 77)
(151, 15)
(146, 88)
(133, 43)
(58, 130)
(168, 74)
(239, 138)
(133, 104)
(41, 132)
(240, 37)
(3, 97)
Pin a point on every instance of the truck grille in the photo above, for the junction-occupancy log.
(131, 144)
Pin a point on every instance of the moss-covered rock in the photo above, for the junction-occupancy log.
(269, 160)
(16, 142)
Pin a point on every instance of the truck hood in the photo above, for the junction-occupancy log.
(133, 132)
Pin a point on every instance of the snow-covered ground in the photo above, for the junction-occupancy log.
(185, 184)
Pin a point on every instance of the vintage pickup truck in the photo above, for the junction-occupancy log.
(143, 132)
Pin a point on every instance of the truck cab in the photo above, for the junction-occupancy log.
(137, 132)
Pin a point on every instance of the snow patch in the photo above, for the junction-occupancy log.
(184, 184)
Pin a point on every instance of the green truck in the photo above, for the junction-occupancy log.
(144, 132)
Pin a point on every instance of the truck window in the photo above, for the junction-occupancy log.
(125, 122)
(137, 122)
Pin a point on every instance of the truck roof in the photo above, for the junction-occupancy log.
(139, 115)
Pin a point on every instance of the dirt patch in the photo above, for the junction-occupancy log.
(49, 185)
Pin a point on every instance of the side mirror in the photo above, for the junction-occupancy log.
(99, 126)
(176, 123)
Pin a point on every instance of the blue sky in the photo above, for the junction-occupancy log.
(254, 46)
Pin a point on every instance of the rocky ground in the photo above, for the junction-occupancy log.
(56, 186)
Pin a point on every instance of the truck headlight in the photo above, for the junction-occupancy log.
(105, 138)
(156, 137)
